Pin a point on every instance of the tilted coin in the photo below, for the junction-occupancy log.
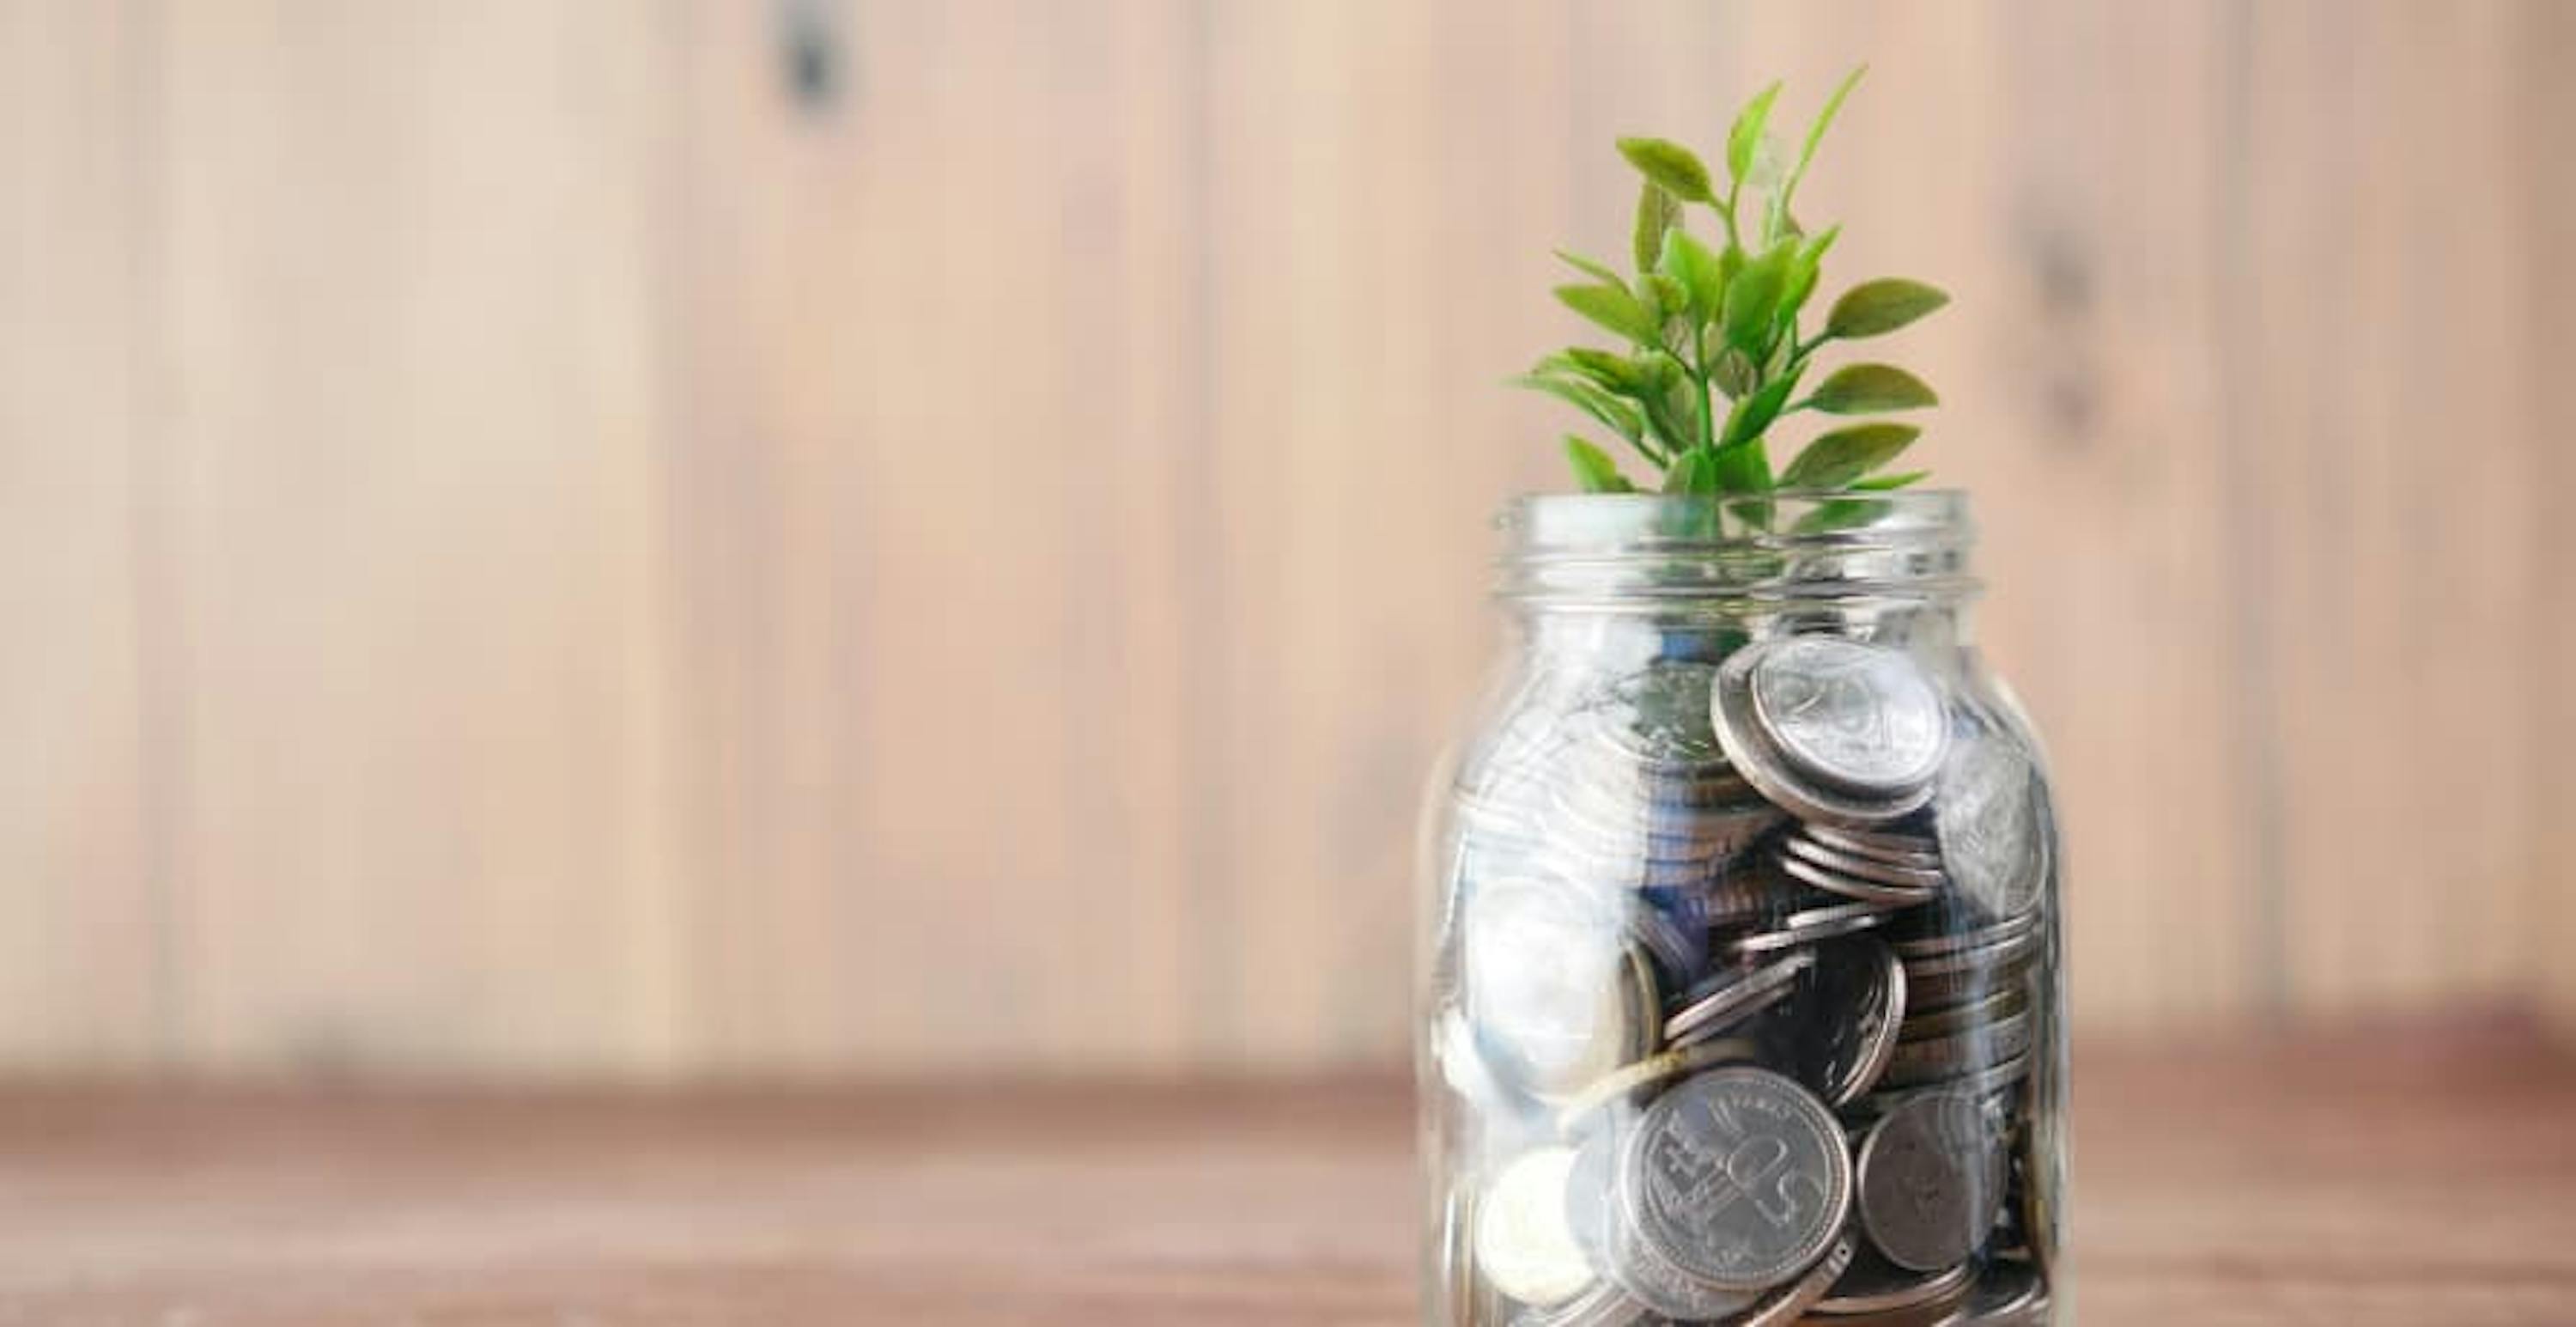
(1928, 1182)
(1630, 1081)
(1930, 990)
(1984, 1083)
(1973, 1014)
(1839, 1024)
(1738, 1176)
(1952, 939)
(1550, 984)
(1660, 715)
(2010, 1294)
(2001, 954)
(1789, 1305)
(1671, 1291)
(1864, 718)
(1523, 1244)
(1935, 1057)
(1752, 751)
(1728, 997)
(1988, 811)
(1856, 888)
(1884, 845)
(1811, 925)
(1867, 868)
(1879, 1292)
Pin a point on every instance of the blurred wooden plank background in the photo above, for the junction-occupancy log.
(589, 537)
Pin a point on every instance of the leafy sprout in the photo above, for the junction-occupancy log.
(1711, 354)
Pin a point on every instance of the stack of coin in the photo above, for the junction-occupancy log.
(1743, 998)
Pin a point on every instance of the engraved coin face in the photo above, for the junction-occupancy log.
(1739, 1177)
(1987, 812)
(1861, 716)
(1927, 1176)
(1523, 1243)
(1661, 715)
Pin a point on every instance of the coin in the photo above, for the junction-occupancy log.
(1975, 1013)
(1987, 813)
(1976, 937)
(1983, 1084)
(1790, 1305)
(1867, 868)
(1738, 1176)
(1885, 845)
(1864, 718)
(1839, 1023)
(1730, 996)
(1550, 984)
(1629, 1080)
(1645, 1275)
(2003, 953)
(1811, 925)
(1755, 754)
(2010, 1294)
(1937, 1057)
(1851, 887)
(1928, 1182)
(1882, 1292)
(1523, 1244)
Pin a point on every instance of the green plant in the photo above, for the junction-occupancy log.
(1714, 357)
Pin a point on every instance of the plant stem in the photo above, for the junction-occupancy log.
(1700, 375)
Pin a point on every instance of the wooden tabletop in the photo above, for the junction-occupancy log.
(2415, 1178)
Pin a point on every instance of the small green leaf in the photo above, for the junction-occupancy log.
(1614, 308)
(1873, 308)
(1670, 298)
(1743, 468)
(1835, 459)
(1754, 296)
(1669, 165)
(1804, 270)
(1613, 373)
(1841, 514)
(1888, 483)
(1689, 262)
(1657, 212)
(1613, 414)
(1594, 469)
(1867, 389)
(1815, 135)
(1592, 269)
(1755, 412)
(1745, 138)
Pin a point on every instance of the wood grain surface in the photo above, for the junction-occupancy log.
(2407, 1177)
(584, 538)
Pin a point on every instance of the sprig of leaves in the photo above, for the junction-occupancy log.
(1711, 354)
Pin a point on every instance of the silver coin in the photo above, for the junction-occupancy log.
(1921, 878)
(1838, 1026)
(1550, 984)
(1851, 887)
(1523, 1244)
(1739, 1177)
(1928, 991)
(1973, 1014)
(1790, 1304)
(1865, 718)
(1983, 1084)
(1987, 812)
(1661, 716)
(1927, 1177)
(2010, 1294)
(1730, 997)
(2004, 953)
(1880, 1292)
(1752, 750)
(1976, 937)
(1946, 1055)
(1886, 846)
(1664, 1287)
(1825, 923)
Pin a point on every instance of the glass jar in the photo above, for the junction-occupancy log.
(1740, 986)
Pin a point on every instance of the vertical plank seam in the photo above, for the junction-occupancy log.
(2255, 734)
(162, 720)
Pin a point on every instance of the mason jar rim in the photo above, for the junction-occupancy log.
(1617, 550)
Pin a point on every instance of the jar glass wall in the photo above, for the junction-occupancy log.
(1740, 986)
